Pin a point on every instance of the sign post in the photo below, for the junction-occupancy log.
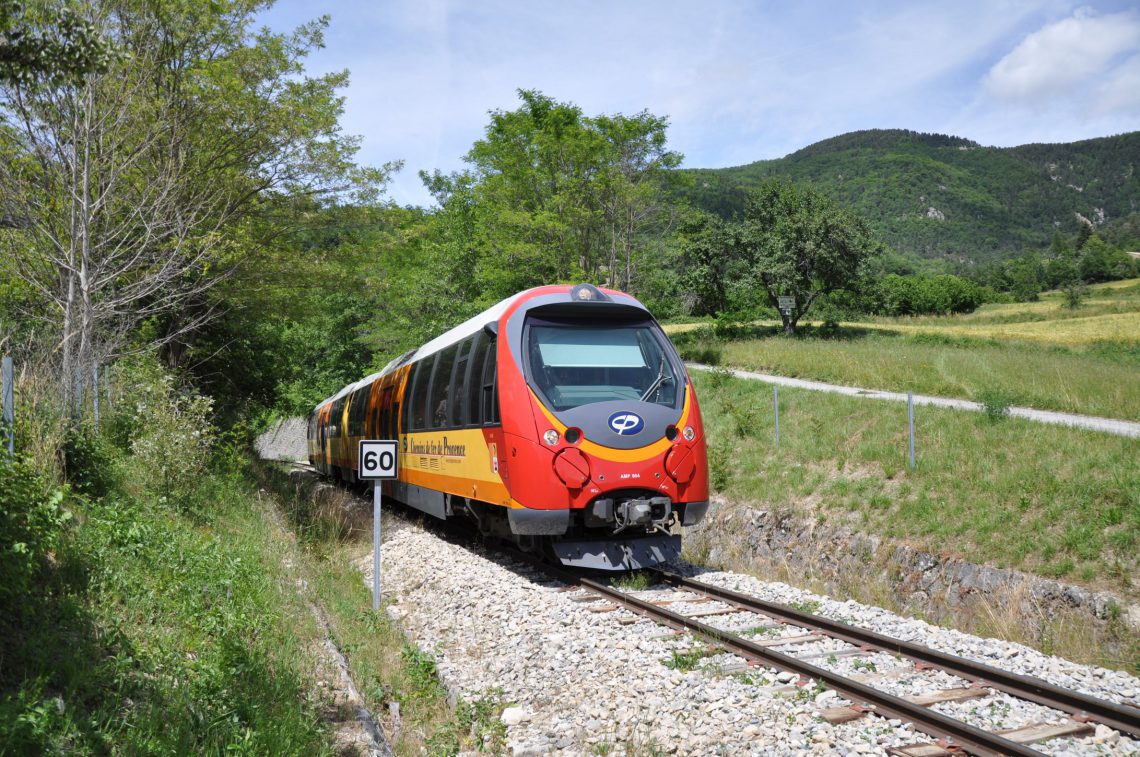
(376, 462)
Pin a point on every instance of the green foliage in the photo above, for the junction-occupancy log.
(791, 240)
(995, 403)
(48, 46)
(686, 660)
(477, 725)
(926, 295)
(636, 580)
(166, 428)
(552, 195)
(1074, 293)
(719, 471)
(32, 519)
(89, 461)
(990, 203)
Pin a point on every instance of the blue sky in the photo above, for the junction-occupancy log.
(739, 81)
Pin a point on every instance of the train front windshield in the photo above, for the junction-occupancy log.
(574, 364)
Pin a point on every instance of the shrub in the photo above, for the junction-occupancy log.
(707, 355)
(31, 528)
(995, 403)
(167, 429)
(88, 462)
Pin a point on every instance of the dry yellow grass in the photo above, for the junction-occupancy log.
(1070, 332)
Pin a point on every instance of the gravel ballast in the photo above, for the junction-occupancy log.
(583, 681)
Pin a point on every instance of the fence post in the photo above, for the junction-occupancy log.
(9, 380)
(95, 392)
(910, 424)
(776, 409)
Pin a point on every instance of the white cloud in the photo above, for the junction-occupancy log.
(1066, 58)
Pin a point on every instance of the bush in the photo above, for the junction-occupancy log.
(708, 355)
(167, 430)
(88, 462)
(31, 528)
(995, 403)
(173, 446)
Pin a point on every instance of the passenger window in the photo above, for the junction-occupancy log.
(441, 386)
(457, 412)
(473, 382)
(490, 399)
(418, 407)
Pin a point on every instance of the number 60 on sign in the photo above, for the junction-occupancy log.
(377, 459)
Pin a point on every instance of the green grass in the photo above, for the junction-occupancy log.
(949, 357)
(637, 580)
(1050, 500)
(385, 666)
(164, 632)
(1094, 382)
(687, 660)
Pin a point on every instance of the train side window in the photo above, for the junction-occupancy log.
(490, 387)
(440, 386)
(357, 402)
(457, 396)
(418, 406)
(473, 382)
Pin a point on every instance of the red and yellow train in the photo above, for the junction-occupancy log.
(562, 419)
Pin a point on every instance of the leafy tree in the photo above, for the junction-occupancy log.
(52, 42)
(1026, 275)
(799, 243)
(131, 185)
(1101, 261)
(554, 195)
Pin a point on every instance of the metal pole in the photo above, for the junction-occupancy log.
(95, 392)
(776, 408)
(9, 379)
(376, 545)
(910, 423)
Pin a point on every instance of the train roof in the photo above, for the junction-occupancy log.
(446, 339)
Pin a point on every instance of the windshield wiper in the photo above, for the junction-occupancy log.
(657, 382)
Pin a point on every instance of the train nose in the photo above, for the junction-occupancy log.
(572, 468)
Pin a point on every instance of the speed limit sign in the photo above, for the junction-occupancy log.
(377, 459)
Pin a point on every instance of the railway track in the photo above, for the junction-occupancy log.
(1080, 713)
(950, 736)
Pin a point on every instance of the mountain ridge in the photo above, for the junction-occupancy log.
(945, 196)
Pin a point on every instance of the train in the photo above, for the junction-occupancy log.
(561, 419)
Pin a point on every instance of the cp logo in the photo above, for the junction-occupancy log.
(626, 424)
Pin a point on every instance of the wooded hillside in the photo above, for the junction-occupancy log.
(947, 197)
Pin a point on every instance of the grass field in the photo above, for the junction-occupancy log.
(1053, 501)
(1037, 354)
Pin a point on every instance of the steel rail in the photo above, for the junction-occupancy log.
(953, 733)
(950, 732)
(1119, 717)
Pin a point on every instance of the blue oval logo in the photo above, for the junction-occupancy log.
(626, 424)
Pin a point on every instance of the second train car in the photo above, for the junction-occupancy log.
(561, 419)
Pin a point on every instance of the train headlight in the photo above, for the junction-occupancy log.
(689, 433)
(550, 437)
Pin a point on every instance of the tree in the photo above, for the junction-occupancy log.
(799, 243)
(55, 43)
(554, 195)
(131, 184)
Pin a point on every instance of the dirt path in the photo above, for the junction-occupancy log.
(1088, 422)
